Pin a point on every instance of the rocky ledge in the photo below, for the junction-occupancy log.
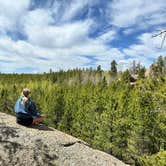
(42, 146)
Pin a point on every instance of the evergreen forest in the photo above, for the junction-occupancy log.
(122, 113)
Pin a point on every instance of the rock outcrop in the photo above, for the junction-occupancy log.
(38, 146)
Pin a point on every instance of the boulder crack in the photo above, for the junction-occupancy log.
(68, 144)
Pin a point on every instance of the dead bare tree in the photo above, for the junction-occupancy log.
(163, 32)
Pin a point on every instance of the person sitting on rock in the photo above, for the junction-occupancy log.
(25, 109)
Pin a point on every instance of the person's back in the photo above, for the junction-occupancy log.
(25, 110)
(20, 106)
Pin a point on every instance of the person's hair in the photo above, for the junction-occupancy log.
(24, 100)
(26, 92)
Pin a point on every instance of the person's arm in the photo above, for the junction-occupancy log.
(32, 109)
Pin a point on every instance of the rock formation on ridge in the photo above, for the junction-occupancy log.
(30, 146)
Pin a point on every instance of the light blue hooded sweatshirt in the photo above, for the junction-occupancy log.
(28, 108)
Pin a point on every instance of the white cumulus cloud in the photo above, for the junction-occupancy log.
(126, 13)
(54, 36)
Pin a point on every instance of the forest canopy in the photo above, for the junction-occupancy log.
(120, 112)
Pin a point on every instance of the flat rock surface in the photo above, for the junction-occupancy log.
(42, 146)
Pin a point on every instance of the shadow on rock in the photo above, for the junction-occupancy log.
(41, 127)
(7, 132)
(43, 155)
(8, 147)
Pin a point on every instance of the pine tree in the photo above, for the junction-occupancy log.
(125, 77)
(113, 70)
(141, 73)
(160, 64)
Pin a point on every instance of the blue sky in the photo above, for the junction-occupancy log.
(36, 35)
